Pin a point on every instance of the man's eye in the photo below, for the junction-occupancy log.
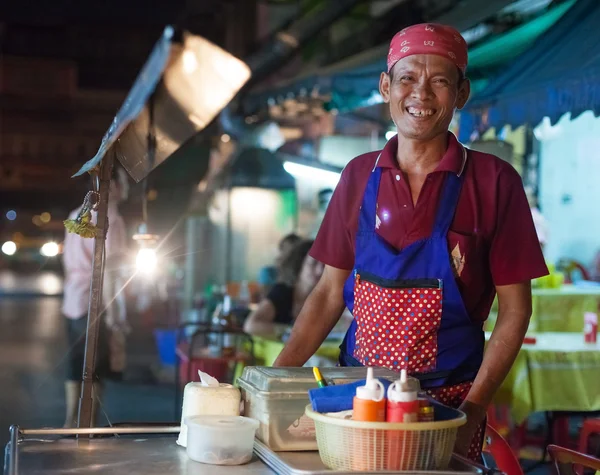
(441, 81)
(406, 78)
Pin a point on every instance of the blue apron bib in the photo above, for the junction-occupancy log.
(407, 308)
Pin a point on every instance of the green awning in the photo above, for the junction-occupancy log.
(503, 48)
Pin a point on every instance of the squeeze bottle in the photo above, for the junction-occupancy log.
(402, 406)
(369, 402)
(403, 402)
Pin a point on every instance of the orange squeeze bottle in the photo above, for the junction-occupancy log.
(368, 406)
(369, 402)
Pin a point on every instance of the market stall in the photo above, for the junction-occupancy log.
(302, 420)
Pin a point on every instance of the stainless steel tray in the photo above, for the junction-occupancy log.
(309, 463)
(128, 451)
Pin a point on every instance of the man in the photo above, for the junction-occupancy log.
(418, 239)
(77, 262)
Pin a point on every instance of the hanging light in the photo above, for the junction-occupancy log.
(146, 260)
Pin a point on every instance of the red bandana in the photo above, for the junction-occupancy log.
(429, 38)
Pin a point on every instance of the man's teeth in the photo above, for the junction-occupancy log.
(420, 112)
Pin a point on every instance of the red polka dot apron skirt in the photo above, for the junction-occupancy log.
(407, 308)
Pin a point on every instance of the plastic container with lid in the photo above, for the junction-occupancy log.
(277, 398)
(203, 400)
(221, 440)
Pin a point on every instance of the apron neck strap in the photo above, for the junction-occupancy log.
(448, 201)
(368, 210)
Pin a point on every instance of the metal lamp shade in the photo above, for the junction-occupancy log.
(184, 84)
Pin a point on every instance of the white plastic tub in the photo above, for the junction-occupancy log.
(220, 440)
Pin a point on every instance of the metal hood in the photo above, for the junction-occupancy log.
(184, 84)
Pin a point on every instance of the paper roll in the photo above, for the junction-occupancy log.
(200, 400)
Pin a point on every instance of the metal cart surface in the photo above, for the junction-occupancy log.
(153, 451)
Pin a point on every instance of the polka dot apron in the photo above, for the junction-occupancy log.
(407, 308)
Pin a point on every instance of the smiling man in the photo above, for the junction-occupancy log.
(419, 238)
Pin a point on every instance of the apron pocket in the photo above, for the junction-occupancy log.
(397, 322)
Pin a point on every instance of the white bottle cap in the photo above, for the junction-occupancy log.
(400, 390)
(373, 389)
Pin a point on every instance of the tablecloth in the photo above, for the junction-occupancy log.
(267, 349)
(558, 310)
(560, 372)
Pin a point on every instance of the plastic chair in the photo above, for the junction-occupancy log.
(503, 455)
(590, 427)
(569, 267)
(569, 462)
(216, 366)
(498, 417)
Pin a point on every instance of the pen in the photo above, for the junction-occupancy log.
(320, 381)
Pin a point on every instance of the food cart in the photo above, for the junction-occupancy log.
(166, 106)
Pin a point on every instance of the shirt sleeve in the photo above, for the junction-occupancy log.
(281, 296)
(515, 252)
(334, 244)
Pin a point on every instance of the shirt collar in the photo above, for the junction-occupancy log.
(454, 160)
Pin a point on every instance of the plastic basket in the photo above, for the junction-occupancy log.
(166, 341)
(379, 446)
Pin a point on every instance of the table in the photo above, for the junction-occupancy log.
(267, 348)
(560, 372)
(558, 310)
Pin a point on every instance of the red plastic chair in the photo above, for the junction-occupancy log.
(569, 267)
(498, 417)
(590, 427)
(498, 448)
(569, 462)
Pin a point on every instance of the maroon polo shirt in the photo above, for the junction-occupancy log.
(492, 238)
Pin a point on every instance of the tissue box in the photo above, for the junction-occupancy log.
(277, 398)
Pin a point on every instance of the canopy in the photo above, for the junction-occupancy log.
(560, 73)
(354, 82)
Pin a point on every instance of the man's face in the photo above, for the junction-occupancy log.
(423, 90)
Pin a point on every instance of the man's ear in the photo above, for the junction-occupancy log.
(464, 91)
(384, 86)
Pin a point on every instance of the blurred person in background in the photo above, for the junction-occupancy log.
(78, 262)
(297, 274)
(267, 276)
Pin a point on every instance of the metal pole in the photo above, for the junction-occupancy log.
(95, 308)
(103, 430)
(12, 464)
(229, 236)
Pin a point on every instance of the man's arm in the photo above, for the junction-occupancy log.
(514, 311)
(318, 316)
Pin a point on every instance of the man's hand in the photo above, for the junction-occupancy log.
(464, 438)
(319, 315)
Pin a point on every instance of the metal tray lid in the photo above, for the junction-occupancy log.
(269, 379)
